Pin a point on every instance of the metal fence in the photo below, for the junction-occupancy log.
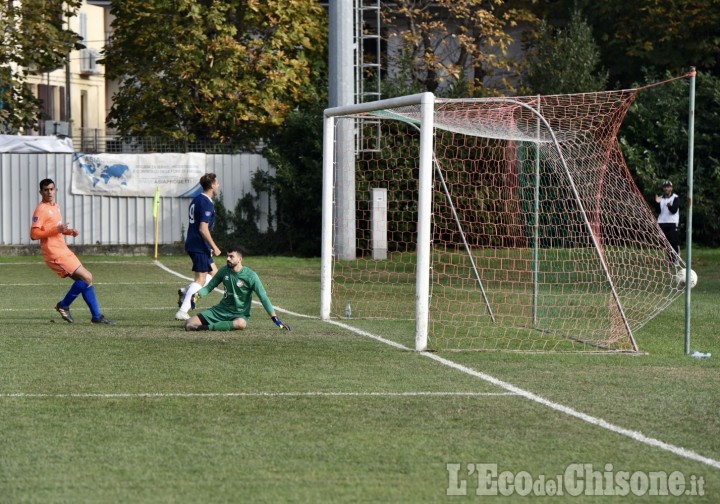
(95, 141)
(114, 220)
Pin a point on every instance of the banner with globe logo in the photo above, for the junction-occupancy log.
(137, 174)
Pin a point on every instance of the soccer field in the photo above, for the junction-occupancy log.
(340, 411)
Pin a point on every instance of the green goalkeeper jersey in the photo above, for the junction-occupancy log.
(239, 288)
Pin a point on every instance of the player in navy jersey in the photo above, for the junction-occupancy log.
(199, 243)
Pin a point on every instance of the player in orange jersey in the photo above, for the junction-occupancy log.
(48, 227)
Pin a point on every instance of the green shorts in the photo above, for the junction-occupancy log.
(219, 314)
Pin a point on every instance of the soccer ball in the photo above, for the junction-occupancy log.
(682, 274)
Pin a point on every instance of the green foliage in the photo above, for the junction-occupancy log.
(222, 228)
(449, 41)
(401, 83)
(240, 227)
(33, 40)
(654, 140)
(296, 152)
(566, 60)
(230, 71)
(665, 35)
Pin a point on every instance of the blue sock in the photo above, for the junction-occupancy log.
(92, 302)
(77, 288)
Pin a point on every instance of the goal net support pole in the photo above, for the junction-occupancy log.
(688, 239)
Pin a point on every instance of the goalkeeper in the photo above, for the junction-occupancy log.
(233, 311)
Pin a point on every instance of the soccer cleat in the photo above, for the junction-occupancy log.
(201, 327)
(181, 298)
(64, 313)
(181, 315)
(102, 320)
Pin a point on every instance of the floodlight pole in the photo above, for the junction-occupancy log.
(342, 93)
(688, 240)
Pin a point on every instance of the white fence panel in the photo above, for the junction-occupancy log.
(113, 220)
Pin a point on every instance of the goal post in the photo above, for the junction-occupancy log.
(512, 223)
(334, 205)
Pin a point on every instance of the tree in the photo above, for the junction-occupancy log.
(453, 44)
(210, 69)
(565, 61)
(295, 150)
(666, 35)
(34, 39)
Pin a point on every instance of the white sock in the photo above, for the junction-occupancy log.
(189, 293)
(208, 277)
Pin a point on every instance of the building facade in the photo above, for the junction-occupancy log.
(74, 96)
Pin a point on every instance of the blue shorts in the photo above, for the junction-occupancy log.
(202, 263)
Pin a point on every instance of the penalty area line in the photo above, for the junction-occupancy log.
(142, 395)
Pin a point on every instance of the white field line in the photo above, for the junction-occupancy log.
(598, 422)
(512, 389)
(253, 394)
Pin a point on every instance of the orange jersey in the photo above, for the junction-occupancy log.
(47, 216)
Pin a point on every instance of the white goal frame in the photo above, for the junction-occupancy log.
(338, 203)
(422, 284)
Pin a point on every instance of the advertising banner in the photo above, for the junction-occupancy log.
(177, 175)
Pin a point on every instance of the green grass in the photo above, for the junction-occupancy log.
(145, 412)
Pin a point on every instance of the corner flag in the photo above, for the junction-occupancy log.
(156, 203)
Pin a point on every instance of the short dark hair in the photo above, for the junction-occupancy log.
(236, 248)
(207, 180)
(46, 182)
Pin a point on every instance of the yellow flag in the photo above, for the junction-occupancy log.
(156, 203)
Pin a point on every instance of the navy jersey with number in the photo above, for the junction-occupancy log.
(202, 209)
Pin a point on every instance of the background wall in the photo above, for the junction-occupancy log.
(113, 220)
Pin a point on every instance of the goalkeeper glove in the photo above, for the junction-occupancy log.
(280, 323)
(195, 298)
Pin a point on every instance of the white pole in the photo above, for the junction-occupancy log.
(327, 217)
(329, 161)
(422, 286)
(536, 223)
(688, 239)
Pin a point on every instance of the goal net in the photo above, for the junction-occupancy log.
(492, 224)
